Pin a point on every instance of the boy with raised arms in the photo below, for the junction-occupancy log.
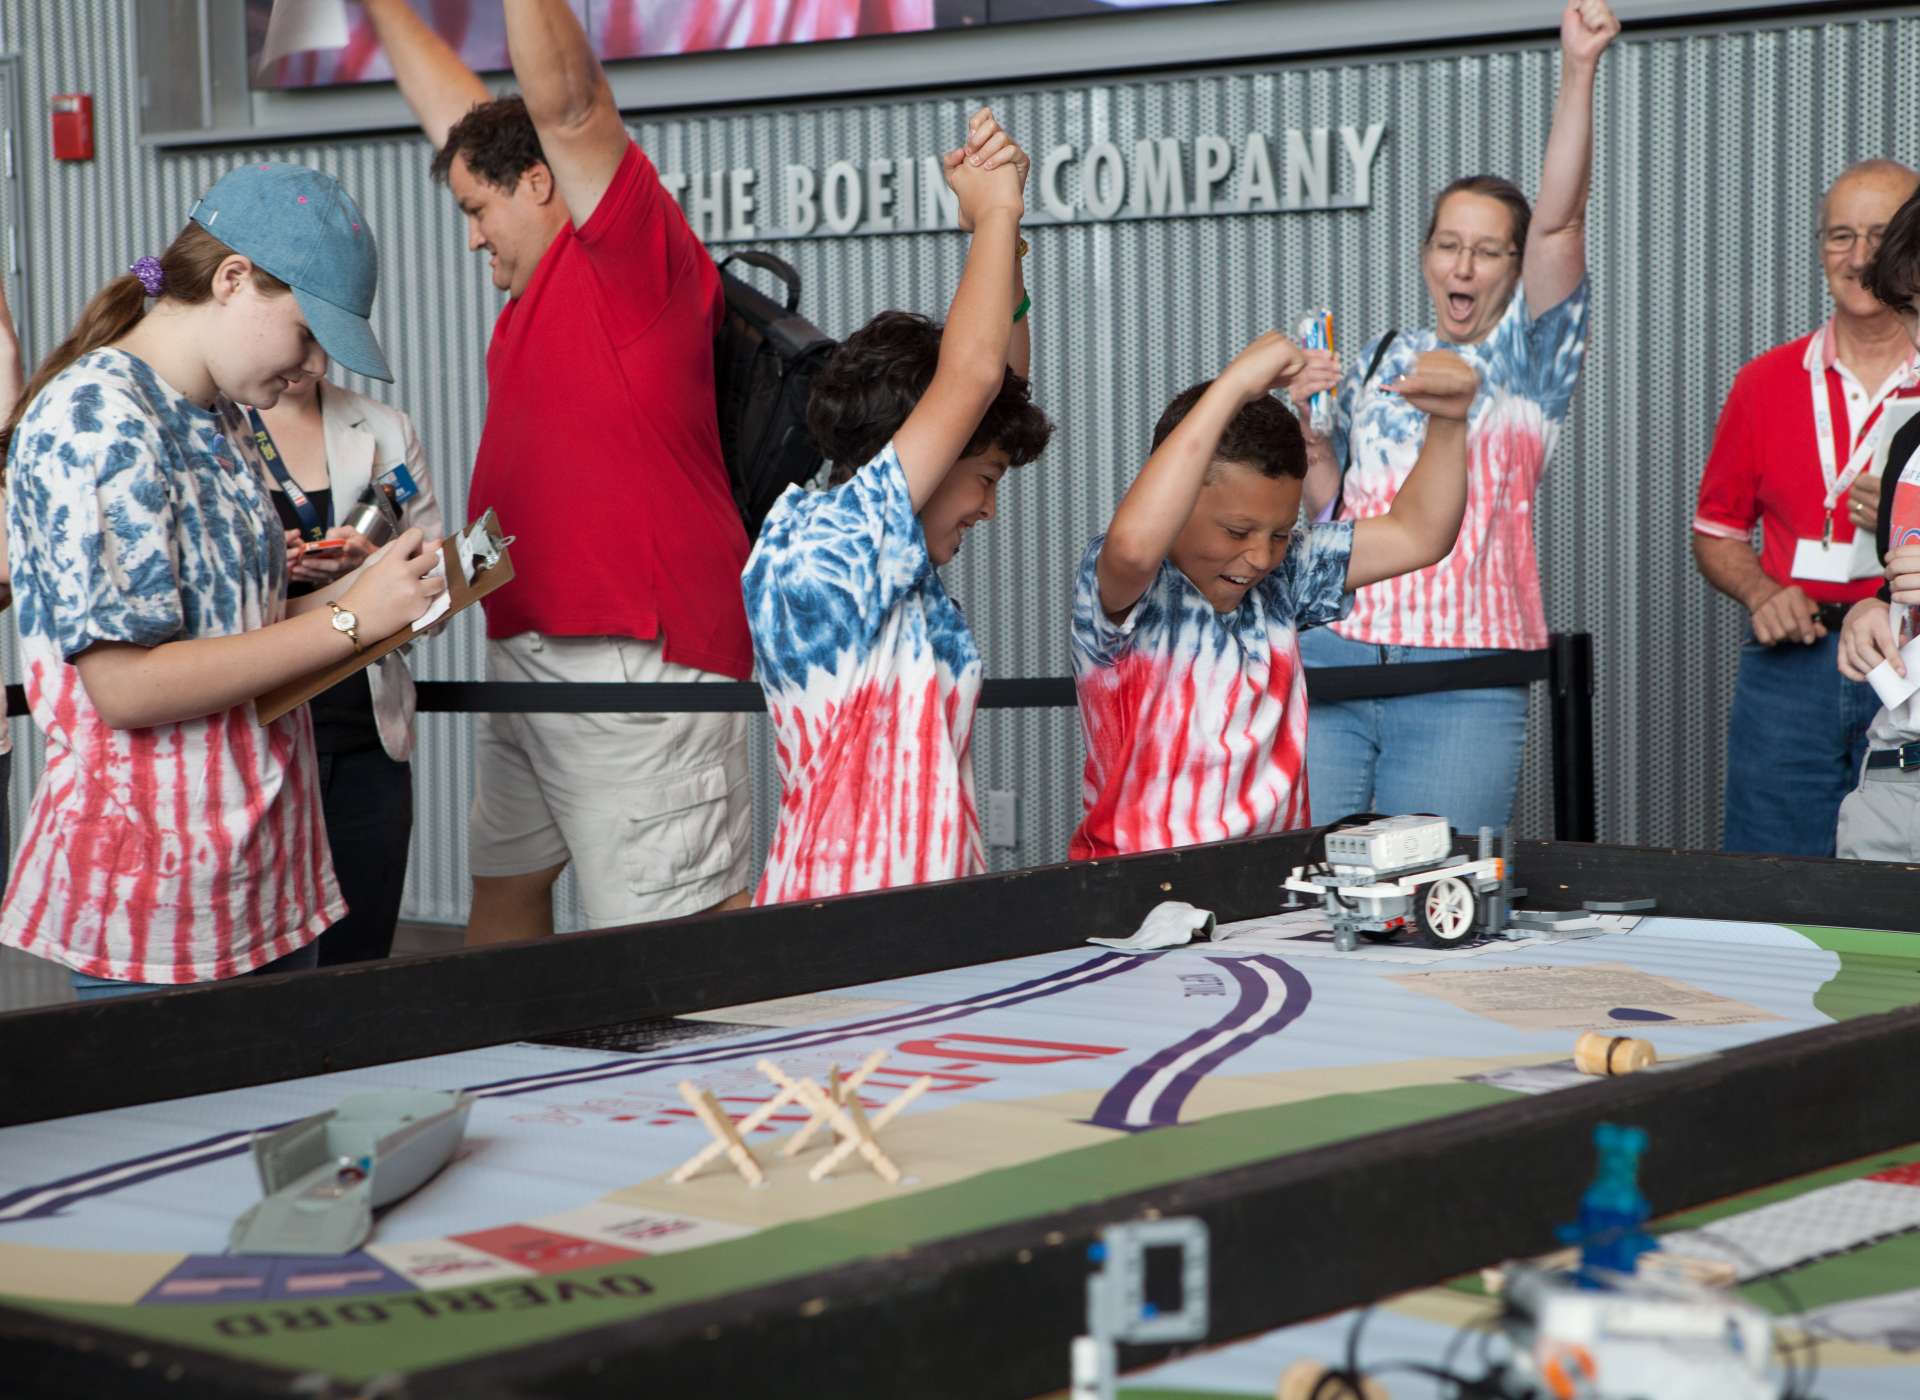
(870, 671)
(1187, 611)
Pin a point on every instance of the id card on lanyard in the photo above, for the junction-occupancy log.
(311, 527)
(1821, 560)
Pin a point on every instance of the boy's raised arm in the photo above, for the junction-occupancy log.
(437, 85)
(1151, 514)
(988, 176)
(1419, 529)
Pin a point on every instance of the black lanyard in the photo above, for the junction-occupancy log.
(310, 524)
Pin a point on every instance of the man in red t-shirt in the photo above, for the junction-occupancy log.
(601, 454)
(1793, 452)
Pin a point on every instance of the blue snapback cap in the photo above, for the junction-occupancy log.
(303, 228)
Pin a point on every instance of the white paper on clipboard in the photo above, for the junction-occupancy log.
(437, 609)
(299, 25)
(478, 550)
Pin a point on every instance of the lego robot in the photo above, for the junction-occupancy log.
(1390, 873)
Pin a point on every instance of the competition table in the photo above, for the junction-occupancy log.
(1349, 1126)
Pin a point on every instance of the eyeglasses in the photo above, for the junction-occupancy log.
(1449, 249)
(1841, 240)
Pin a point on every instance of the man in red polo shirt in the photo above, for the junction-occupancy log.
(1793, 451)
(602, 456)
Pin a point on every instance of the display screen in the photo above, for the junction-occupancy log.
(623, 29)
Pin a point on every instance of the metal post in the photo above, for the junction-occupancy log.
(1575, 808)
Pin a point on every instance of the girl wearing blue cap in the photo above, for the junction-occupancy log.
(172, 838)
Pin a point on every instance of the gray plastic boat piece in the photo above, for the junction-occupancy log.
(324, 1176)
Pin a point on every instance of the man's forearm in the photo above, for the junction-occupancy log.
(1732, 567)
(437, 85)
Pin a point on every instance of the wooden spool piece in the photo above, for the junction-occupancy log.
(1298, 1382)
(1602, 1054)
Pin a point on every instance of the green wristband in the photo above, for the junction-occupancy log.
(1020, 311)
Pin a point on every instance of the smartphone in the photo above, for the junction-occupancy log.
(324, 547)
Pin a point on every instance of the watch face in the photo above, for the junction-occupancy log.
(344, 621)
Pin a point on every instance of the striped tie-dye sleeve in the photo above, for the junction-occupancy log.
(829, 567)
(1556, 344)
(1097, 639)
(93, 549)
(1310, 586)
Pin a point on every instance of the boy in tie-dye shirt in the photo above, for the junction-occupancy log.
(1187, 611)
(870, 671)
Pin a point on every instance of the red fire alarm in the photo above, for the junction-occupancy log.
(72, 126)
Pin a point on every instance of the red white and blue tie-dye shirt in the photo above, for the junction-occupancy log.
(185, 852)
(1196, 721)
(1486, 593)
(871, 677)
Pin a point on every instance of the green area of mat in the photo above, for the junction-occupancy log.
(355, 1338)
(1879, 971)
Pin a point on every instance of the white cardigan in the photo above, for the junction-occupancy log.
(365, 439)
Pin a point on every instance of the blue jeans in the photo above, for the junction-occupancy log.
(1795, 741)
(87, 988)
(1455, 753)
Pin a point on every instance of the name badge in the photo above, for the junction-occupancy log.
(399, 485)
(1818, 561)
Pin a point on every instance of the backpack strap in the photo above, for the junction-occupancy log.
(1373, 368)
(1379, 354)
(767, 262)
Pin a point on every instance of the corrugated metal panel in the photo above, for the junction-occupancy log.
(1712, 150)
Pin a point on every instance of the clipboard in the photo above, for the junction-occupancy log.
(493, 567)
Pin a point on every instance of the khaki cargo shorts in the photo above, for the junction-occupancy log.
(652, 810)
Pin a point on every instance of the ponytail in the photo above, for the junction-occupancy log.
(185, 276)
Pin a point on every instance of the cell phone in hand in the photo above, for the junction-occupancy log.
(324, 547)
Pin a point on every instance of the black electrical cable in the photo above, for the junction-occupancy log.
(1352, 1374)
(1460, 1334)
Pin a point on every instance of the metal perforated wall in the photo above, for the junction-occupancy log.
(1712, 148)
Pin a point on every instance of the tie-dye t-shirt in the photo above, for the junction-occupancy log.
(1195, 720)
(1486, 593)
(184, 852)
(871, 677)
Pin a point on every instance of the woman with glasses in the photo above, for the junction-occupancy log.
(1793, 454)
(1509, 290)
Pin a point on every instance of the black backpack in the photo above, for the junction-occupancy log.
(765, 359)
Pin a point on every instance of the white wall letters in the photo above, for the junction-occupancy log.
(1160, 177)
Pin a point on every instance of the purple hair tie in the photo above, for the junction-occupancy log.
(151, 275)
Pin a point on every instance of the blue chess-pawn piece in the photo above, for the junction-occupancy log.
(1612, 1208)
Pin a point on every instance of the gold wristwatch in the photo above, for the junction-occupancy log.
(345, 622)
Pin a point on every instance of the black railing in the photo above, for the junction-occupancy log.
(1566, 666)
